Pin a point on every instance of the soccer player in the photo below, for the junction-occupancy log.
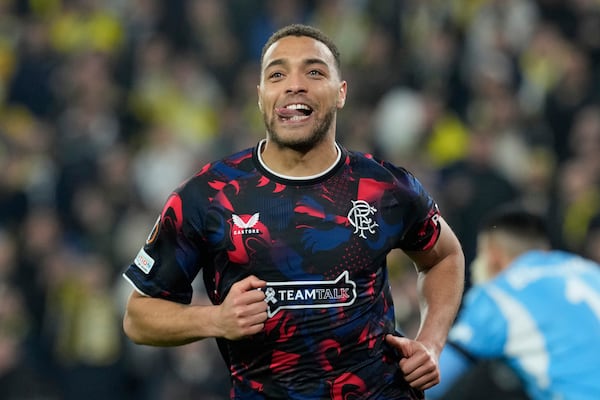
(291, 237)
(535, 308)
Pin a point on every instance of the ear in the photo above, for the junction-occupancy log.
(496, 256)
(479, 270)
(485, 266)
(342, 95)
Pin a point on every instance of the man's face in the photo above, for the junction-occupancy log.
(300, 92)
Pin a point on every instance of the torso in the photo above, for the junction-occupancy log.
(321, 243)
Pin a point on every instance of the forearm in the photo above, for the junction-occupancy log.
(160, 322)
(440, 291)
(440, 287)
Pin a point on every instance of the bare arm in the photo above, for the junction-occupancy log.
(440, 283)
(160, 322)
(440, 286)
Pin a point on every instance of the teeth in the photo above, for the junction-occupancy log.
(298, 117)
(297, 107)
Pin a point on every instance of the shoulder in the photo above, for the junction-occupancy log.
(199, 191)
(368, 164)
(214, 175)
(230, 167)
(401, 183)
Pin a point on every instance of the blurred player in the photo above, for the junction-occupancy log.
(535, 308)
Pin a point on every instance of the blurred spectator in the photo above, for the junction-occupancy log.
(19, 380)
(471, 187)
(577, 201)
(86, 25)
(574, 90)
(346, 23)
(213, 37)
(40, 236)
(164, 155)
(27, 170)
(82, 327)
(269, 16)
(177, 92)
(32, 80)
(399, 123)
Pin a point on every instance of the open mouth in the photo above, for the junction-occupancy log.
(294, 112)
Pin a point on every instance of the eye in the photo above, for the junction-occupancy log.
(275, 75)
(315, 73)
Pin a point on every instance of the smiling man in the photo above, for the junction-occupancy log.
(299, 98)
(291, 237)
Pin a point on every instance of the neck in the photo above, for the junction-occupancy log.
(299, 164)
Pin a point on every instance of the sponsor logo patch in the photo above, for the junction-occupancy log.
(339, 292)
(144, 261)
(245, 227)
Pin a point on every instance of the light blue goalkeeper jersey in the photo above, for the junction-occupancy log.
(541, 315)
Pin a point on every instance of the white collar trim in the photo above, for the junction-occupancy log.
(297, 178)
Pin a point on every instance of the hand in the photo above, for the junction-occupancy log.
(244, 311)
(419, 364)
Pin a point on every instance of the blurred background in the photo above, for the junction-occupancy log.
(107, 105)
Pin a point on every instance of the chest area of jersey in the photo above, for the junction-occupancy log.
(281, 224)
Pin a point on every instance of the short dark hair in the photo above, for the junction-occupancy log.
(516, 222)
(308, 31)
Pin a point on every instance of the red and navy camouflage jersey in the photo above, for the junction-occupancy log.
(321, 244)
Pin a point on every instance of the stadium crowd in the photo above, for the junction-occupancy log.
(106, 105)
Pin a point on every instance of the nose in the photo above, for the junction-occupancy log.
(296, 83)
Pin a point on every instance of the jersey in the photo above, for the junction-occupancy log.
(321, 244)
(541, 315)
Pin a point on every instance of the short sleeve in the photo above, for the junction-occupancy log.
(168, 262)
(480, 329)
(421, 214)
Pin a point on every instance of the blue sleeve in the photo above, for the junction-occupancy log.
(479, 333)
(481, 327)
(453, 364)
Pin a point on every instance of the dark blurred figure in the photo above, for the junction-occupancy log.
(471, 187)
(19, 378)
